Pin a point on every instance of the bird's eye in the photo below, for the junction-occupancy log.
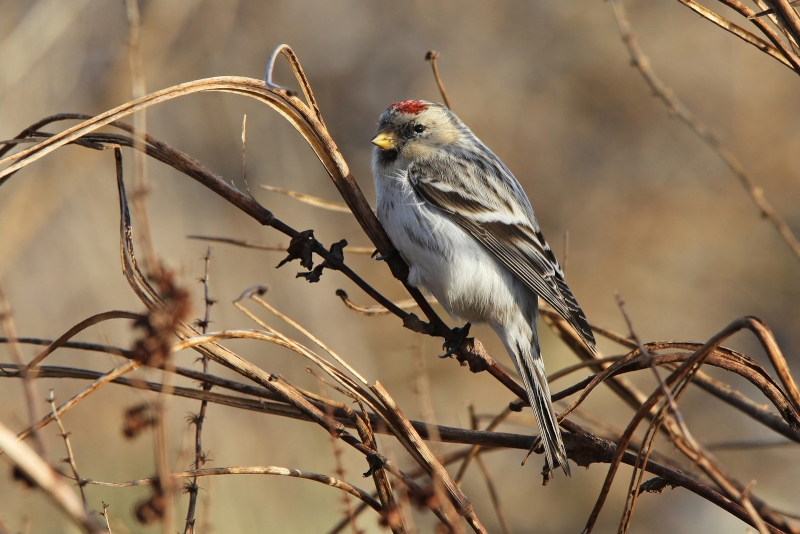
(419, 128)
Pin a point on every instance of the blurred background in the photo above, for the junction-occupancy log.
(651, 212)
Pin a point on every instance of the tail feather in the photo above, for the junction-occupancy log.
(531, 368)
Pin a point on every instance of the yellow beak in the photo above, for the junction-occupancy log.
(385, 140)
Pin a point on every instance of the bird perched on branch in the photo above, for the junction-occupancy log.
(467, 230)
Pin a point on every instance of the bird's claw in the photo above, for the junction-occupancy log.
(377, 256)
(452, 345)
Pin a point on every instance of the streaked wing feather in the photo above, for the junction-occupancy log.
(518, 245)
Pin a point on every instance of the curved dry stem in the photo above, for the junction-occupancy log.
(308, 199)
(676, 106)
(47, 480)
(253, 470)
(101, 381)
(781, 52)
(308, 334)
(273, 248)
(684, 371)
(407, 304)
(83, 325)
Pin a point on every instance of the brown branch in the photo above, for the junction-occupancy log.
(679, 109)
(680, 373)
(370, 311)
(28, 385)
(101, 380)
(487, 478)
(105, 516)
(274, 248)
(308, 199)
(413, 443)
(432, 56)
(70, 459)
(780, 51)
(81, 326)
(583, 448)
(47, 479)
(253, 470)
(200, 417)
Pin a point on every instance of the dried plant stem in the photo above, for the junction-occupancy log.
(414, 444)
(253, 470)
(244, 155)
(273, 248)
(200, 417)
(105, 515)
(487, 478)
(583, 449)
(407, 304)
(81, 326)
(254, 297)
(142, 189)
(308, 199)
(681, 372)
(679, 109)
(338, 466)
(101, 380)
(28, 385)
(47, 479)
(432, 56)
(73, 464)
(780, 51)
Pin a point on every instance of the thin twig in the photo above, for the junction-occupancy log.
(244, 155)
(253, 470)
(199, 418)
(338, 465)
(28, 384)
(679, 109)
(308, 199)
(47, 479)
(777, 50)
(73, 464)
(261, 246)
(105, 515)
(432, 56)
(407, 304)
(101, 380)
(487, 478)
(584, 450)
(138, 90)
(692, 363)
(254, 296)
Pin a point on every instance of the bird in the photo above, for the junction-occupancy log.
(465, 227)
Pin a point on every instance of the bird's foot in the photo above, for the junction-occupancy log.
(452, 345)
(377, 256)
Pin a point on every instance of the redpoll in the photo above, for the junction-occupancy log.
(467, 230)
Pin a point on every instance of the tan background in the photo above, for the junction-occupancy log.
(650, 210)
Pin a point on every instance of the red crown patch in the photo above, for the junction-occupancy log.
(412, 107)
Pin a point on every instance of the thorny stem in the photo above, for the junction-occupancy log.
(200, 417)
(104, 513)
(70, 459)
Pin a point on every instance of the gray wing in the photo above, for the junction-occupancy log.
(504, 224)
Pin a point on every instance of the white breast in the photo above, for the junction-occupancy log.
(443, 258)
